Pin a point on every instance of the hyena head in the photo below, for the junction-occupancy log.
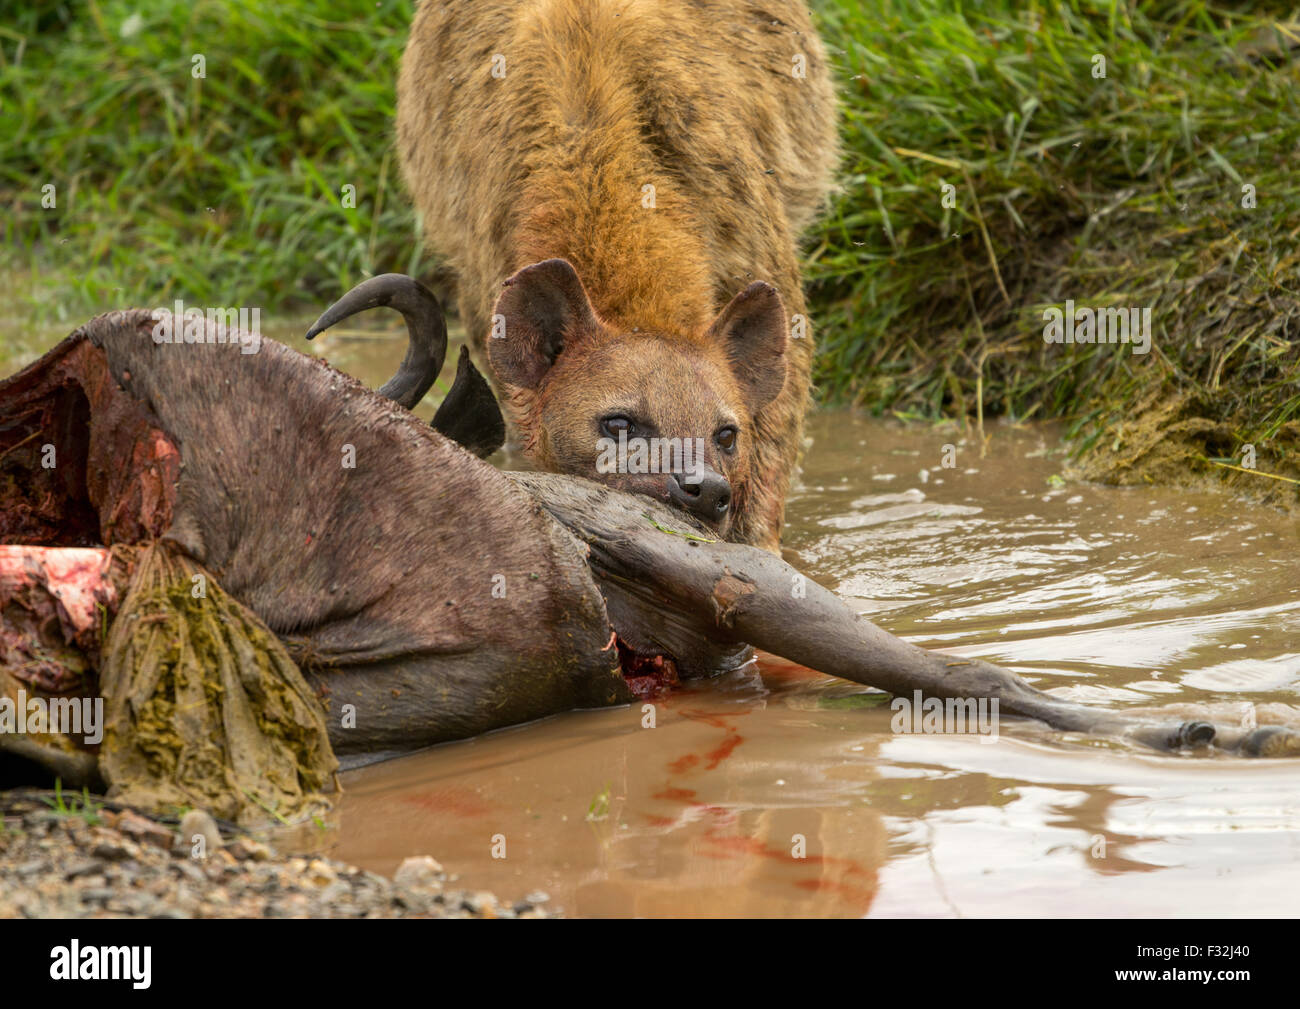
(666, 415)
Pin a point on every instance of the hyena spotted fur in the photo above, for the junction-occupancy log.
(620, 186)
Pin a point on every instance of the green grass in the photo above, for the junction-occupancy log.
(1118, 191)
(221, 190)
(86, 807)
(598, 808)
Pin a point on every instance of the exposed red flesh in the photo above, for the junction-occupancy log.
(54, 604)
(647, 675)
(82, 463)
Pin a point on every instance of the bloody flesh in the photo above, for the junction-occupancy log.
(647, 675)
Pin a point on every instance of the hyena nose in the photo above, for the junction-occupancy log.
(709, 497)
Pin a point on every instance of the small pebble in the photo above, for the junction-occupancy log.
(198, 824)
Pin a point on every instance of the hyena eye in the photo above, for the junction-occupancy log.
(616, 425)
(725, 439)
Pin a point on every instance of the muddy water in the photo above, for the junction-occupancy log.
(1117, 597)
(776, 791)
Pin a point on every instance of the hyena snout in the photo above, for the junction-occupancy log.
(709, 497)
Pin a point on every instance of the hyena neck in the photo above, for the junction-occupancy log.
(596, 191)
(644, 267)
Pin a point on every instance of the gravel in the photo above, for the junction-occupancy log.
(118, 863)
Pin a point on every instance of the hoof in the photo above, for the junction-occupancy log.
(1193, 734)
(1271, 741)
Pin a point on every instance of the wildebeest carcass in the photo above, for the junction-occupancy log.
(259, 563)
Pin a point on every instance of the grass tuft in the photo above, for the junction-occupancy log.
(1125, 190)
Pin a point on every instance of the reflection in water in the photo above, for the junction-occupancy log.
(776, 791)
(697, 815)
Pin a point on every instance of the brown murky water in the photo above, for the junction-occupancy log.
(776, 791)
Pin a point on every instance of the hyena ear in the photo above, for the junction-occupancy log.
(543, 309)
(752, 330)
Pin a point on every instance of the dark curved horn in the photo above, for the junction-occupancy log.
(424, 325)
